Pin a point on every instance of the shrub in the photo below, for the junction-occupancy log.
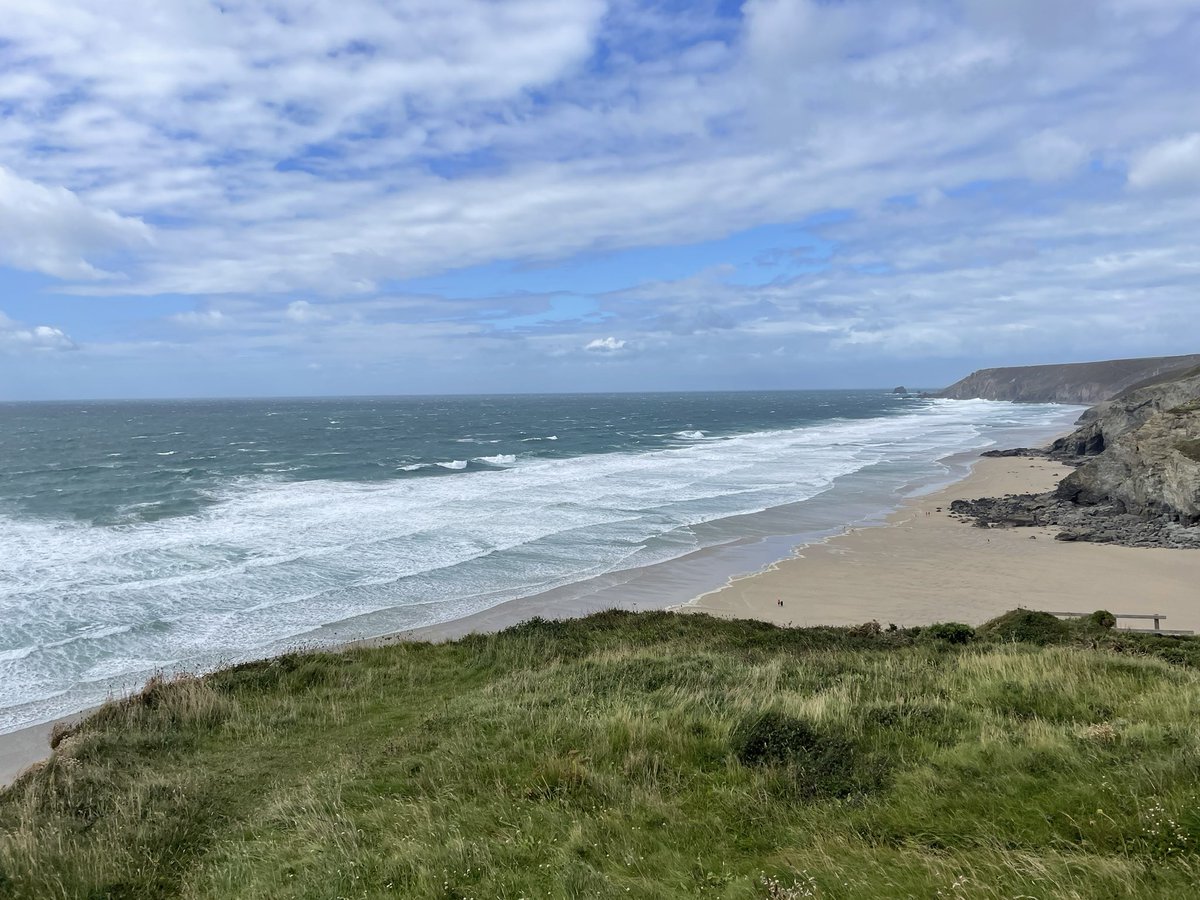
(951, 632)
(1026, 626)
(823, 764)
(866, 629)
(771, 738)
(1103, 618)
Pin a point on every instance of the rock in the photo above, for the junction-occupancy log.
(1137, 480)
(1147, 471)
(1029, 452)
(1129, 410)
(900, 390)
(1102, 524)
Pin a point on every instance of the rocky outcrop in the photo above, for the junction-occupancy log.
(1101, 524)
(1087, 383)
(1137, 480)
(1152, 470)
(1129, 410)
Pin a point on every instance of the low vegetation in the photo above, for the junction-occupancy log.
(639, 755)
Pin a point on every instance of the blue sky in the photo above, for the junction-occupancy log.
(237, 198)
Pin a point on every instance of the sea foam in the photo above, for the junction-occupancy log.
(90, 608)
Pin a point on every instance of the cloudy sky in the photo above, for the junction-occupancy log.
(203, 198)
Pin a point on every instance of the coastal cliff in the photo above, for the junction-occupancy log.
(1091, 382)
(1151, 470)
(1137, 479)
(1128, 411)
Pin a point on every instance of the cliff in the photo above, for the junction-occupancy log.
(1091, 382)
(1101, 425)
(1150, 469)
(1138, 476)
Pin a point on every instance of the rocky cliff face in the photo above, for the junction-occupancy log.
(1138, 475)
(1101, 425)
(1088, 383)
(1151, 469)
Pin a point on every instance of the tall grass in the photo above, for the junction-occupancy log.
(644, 755)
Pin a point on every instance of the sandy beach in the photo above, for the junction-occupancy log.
(925, 566)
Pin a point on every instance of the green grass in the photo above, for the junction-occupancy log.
(639, 755)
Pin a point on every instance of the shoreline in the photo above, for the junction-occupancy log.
(925, 566)
(915, 567)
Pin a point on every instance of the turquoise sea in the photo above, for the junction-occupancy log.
(139, 536)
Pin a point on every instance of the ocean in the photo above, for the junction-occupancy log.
(154, 536)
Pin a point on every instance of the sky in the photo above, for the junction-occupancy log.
(250, 198)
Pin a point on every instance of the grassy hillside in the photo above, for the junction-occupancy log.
(639, 755)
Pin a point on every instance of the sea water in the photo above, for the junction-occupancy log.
(144, 536)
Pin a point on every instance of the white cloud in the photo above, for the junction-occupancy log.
(968, 150)
(16, 337)
(1173, 163)
(201, 318)
(51, 230)
(605, 345)
(350, 143)
(302, 312)
(1050, 156)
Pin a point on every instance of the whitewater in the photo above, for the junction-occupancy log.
(141, 538)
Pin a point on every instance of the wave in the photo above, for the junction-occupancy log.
(17, 653)
(272, 559)
(500, 459)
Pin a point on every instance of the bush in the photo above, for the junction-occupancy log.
(773, 738)
(1102, 618)
(1027, 626)
(951, 632)
(823, 764)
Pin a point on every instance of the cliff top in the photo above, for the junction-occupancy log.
(1087, 382)
(637, 755)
